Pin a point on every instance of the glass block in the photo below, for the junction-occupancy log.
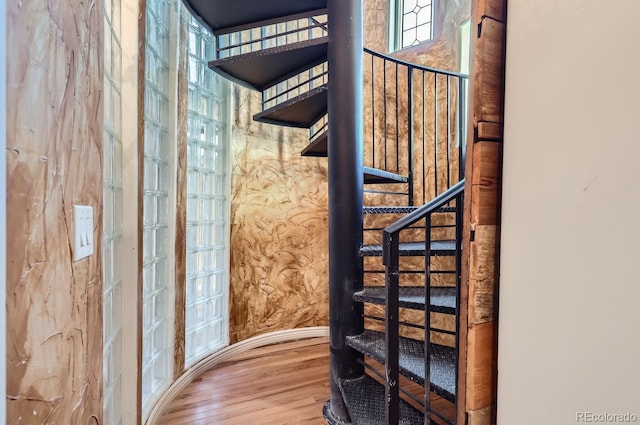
(107, 155)
(215, 307)
(107, 50)
(116, 146)
(161, 274)
(207, 234)
(150, 174)
(214, 282)
(116, 17)
(220, 207)
(192, 182)
(216, 335)
(116, 309)
(148, 276)
(147, 317)
(146, 384)
(163, 209)
(117, 260)
(191, 288)
(161, 241)
(149, 213)
(159, 307)
(117, 110)
(192, 209)
(218, 259)
(108, 208)
(159, 337)
(107, 261)
(148, 242)
(107, 312)
(219, 234)
(118, 213)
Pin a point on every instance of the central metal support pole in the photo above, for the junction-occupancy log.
(345, 57)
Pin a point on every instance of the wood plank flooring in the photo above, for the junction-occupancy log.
(282, 384)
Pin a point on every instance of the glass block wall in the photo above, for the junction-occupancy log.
(157, 326)
(112, 217)
(208, 204)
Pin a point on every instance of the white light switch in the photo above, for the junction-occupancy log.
(83, 231)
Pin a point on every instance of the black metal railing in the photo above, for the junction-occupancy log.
(415, 123)
(448, 202)
(299, 84)
(271, 33)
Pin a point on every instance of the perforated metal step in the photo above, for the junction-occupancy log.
(413, 249)
(400, 209)
(365, 402)
(443, 300)
(411, 351)
(264, 68)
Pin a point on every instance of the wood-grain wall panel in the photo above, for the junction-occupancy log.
(54, 161)
(181, 200)
(481, 235)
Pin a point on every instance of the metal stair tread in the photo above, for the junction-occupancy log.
(413, 249)
(411, 354)
(301, 111)
(365, 401)
(222, 14)
(401, 209)
(377, 176)
(264, 68)
(443, 299)
(319, 147)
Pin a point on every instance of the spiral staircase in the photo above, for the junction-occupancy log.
(394, 325)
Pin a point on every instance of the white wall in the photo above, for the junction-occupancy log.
(3, 205)
(569, 336)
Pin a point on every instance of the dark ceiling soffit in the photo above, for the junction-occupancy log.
(237, 16)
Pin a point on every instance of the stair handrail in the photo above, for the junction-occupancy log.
(391, 261)
(416, 111)
(415, 65)
(430, 207)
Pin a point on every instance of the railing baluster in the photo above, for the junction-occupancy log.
(397, 129)
(459, 228)
(392, 331)
(448, 132)
(384, 102)
(427, 321)
(411, 124)
(373, 112)
(435, 135)
(462, 127)
(424, 140)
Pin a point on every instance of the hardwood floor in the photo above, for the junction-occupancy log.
(282, 384)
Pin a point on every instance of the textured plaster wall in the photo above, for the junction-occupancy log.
(279, 227)
(54, 160)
